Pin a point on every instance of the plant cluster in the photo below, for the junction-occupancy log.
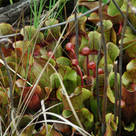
(78, 72)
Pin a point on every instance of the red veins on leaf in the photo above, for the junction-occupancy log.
(34, 101)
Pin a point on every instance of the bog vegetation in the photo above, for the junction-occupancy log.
(68, 68)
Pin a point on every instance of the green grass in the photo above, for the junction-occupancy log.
(37, 12)
(59, 13)
(11, 2)
(51, 4)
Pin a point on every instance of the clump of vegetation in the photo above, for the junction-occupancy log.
(66, 78)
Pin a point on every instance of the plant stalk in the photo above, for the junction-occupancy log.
(116, 94)
(76, 30)
(116, 90)
(87, 62)
(9, 76)
(97, 86)
(104, 103)
(120, 67)
(124, 16)
(81, 75)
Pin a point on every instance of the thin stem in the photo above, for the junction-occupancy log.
(74, 54)
(124, 16)
(104, 104)
(116, 90)
(94, 73)
(116, 93)
(8, 72)
(87, 62)
(120, 67)
(97, 82)
(81, 75)
(11, 2)
(44, 115)
(76, 29)
(9, 80)
(120, 28)
(9, 76)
